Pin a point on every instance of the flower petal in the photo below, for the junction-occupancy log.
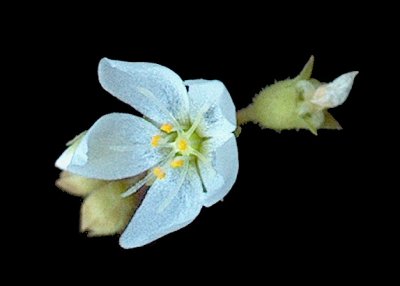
(335, 93)
(65, 159)
(220, 171)
(156, 91)
(211, 101)
(154, 219)
(117, 146)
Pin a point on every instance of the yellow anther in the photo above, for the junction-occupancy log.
(177, 163)
(182, 145)
(159, 173)
(167, 128)
(155, 140)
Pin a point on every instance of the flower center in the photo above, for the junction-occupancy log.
(184, 143)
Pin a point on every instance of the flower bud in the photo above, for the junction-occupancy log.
(106, 212)
(77, 185)
(298, 103)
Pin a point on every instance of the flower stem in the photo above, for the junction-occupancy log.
(244, 115)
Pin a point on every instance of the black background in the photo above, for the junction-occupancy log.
(297, 207)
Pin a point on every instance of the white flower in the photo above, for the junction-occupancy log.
(184, 143)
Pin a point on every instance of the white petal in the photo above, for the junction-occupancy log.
(117, 146)
(80, 156)
(211, 100)
(220, 171)
(156, 91)
(306, 88)
(334, 93)
(65, 159)
(152, 220)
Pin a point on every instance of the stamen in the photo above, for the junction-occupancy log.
(199, 117)
(159, 173)
(138, 185)
(167, 128)
(182, 145)
(177, 163)
(198, 154)
(155, 140)
(172, 195)
(149, 177)
(195, 124)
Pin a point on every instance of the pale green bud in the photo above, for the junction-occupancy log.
(106, 212)
(298, 103)
(77, 185)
